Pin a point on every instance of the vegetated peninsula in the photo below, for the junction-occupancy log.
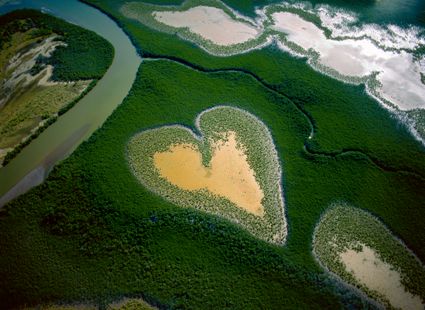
(46, 66)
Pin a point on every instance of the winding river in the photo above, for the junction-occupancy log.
(32, 165)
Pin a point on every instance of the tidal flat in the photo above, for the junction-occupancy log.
(95, 223)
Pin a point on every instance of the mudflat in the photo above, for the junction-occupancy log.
(229, 174)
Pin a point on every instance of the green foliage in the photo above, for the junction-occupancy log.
(344, 227)
(86, 56)
(212, 125)
(92, 231)
(10, 24)
(107, 235)
(95, 55)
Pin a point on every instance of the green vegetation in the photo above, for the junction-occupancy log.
(131, 304)
(29, 102)
(22, 115)
(94, 53)
(343, 227)
(93, 232)
(261, 156)
(125, 304)
(334, 108)
(93, 224)
(46, 123)
(143, 13)
(62, 307)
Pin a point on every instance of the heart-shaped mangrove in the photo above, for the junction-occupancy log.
(231, 169)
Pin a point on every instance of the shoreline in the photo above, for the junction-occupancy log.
(41, 172)
(32, 179)
(269, 36)
(355, 287)
(94, 106)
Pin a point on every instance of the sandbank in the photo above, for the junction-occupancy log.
(229, 174)
(368, 268)
(210, 23)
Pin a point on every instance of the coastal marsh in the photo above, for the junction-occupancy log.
(94, 224)
(210, 24)
(39, 80)
(386, 59)
(93, 211)
(359, 249)
(232, 158)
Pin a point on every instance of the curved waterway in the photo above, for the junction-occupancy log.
(31, 166)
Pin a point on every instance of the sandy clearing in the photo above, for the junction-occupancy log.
(398, 73)
(211, 23)
(17, 74)
(20, 64)
(367, 268)
(131, 303)
(228, 176)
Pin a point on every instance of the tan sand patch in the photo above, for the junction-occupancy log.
(131, 304)
(229, 174)
(16, 74)
(27, 101)
(211, 23)
(368, 269)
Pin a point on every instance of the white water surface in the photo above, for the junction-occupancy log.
(397, 73)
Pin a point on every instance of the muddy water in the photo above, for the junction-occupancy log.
(92, 110)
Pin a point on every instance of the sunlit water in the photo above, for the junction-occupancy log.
(389, 24)
(398, 74)
(399, 12)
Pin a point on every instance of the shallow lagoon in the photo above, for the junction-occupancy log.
(209, 23)
(397, 72)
